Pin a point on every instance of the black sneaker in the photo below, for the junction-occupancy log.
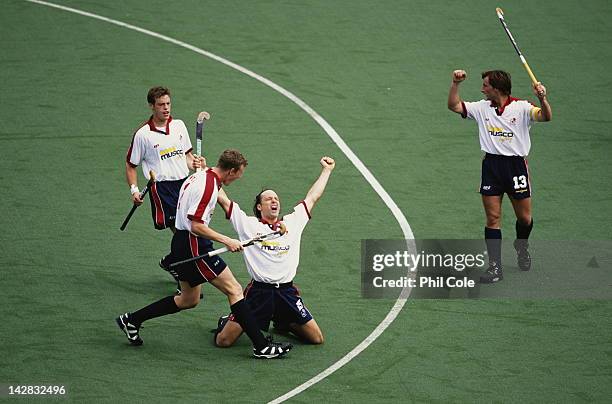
(493, 274)
(272, 350)
(130, 330)
(523, 258)
(220, 324)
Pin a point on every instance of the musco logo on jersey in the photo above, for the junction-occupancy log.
(500, 133)
(170, 152)
(274, 247)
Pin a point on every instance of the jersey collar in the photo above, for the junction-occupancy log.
(500, 111)
(274, 226)
(152, 127)
(219, 183)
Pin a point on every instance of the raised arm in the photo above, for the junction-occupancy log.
(316, 190)
(545, 113)
(454, 101)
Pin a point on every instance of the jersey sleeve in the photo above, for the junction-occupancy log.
(469, 109)
(297, 220)
(533, 112)
(200, 202)
(187, 146)
(239, 220)
(135, 153)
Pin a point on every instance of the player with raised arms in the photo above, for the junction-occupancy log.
(503, 126)
(272, 265)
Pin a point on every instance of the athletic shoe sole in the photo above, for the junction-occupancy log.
(274, 352)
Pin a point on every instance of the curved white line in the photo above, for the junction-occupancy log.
(331, 132)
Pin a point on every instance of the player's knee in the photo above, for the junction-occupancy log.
(524, 220)
(311, 334)
(222, 341)
(317, 339)
(234, 290)
(493, 216)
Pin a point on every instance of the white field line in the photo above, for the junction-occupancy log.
(331, 132)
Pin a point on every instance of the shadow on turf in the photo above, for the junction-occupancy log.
(283, 332)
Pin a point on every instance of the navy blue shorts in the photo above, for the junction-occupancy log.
(505, 175)
(164, 198)
(186, 245)
(283, 305)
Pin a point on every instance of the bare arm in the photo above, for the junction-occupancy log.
(224, 201)
(454, 101)
(545, 113)
(316, 190)
(131, 176)
(203, 230)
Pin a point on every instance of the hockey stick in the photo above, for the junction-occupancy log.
(142, 195)
(500, 15)
(202, 116)
(270, 236)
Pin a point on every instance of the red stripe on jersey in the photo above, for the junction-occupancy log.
(204, 269)
(306, 207)
(129, 152)
(208, 190)
(195, 219)
(209, 170)
(463, 110)
(159, 209)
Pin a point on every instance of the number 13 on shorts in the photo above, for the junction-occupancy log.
(520, 182)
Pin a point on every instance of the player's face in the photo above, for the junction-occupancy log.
(233, 175)
(489, 92)
(269, 205)
(161, 108)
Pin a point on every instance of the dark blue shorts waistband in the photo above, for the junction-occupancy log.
(272, 285)
(501, 156)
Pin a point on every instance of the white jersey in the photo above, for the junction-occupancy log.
(504, 131)
(197, 199)
(161, 150)
(276, 260)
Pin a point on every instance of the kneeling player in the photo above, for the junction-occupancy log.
(197, 200)
(271, 294)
